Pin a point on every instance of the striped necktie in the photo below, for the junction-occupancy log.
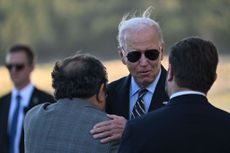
(139, 107)
(13, 128)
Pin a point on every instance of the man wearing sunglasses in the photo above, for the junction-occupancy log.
(188, 123)
(141, 50)
(24, 95)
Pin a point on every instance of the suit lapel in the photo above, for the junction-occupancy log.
(123, 98)
(4, 117)
(34, 100)
(160, 96)
(5, 108)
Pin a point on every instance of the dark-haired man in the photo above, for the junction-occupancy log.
(79, 84)
(24, 95)
(188, 123)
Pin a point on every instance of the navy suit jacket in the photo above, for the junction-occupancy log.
(117, 101)
(187, 124)
(37, 97)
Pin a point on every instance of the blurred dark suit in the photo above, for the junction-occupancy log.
(37, 97)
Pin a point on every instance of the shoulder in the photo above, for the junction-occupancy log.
(41, 110)
(36, 117)
(41, 92)
(221, 115)
(7, 95)
(37, 109)
(42, 95)
(94, 113)
(79, 107)
(5, 98)
(119, 83)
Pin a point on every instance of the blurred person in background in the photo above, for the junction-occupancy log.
(79, 84)
(188, 123)
(141, 48)
(24, 95)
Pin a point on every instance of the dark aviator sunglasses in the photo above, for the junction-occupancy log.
(18, 67)
(151, 54)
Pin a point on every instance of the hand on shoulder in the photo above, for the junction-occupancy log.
(109, 130)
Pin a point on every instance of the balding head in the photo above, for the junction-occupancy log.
(79, 76)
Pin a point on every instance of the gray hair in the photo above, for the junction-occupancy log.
(131, 21)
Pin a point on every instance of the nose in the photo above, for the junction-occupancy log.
(143, 60)
(13, 70)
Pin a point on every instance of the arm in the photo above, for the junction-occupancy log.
(128, 143)
(110, 130)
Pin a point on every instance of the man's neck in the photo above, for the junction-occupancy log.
(20, 87)
(184, 91)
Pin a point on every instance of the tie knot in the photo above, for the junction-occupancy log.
(18, 97)
(141, 93)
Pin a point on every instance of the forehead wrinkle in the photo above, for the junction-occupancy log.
(149, 38)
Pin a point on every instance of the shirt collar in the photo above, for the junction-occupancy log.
(180, 93)
(25, 93)
(151, 88)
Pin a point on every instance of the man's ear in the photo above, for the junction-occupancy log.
(121, 55)
(170, 73)
(101, 93)
(216, 77)
(101, 97)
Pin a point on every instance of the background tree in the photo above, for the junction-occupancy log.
(57, 28)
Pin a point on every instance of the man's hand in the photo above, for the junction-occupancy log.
(109, 130)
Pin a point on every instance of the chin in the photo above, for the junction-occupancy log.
(145, 83)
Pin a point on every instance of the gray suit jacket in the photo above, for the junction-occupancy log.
(63, 127)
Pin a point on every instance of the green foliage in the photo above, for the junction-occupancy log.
(57, 28)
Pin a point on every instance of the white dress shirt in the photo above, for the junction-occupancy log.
(25, 94)
(187, 92)
(133, 94)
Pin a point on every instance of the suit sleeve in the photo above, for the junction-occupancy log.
(109, 100)
(128, 141)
